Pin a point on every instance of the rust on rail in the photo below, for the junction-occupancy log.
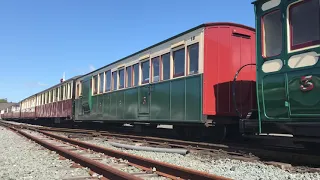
(160, 167)
(107, 171)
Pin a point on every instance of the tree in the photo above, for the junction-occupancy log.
(3, 100)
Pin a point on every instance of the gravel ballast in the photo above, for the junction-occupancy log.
(21, 158)
(230, 168)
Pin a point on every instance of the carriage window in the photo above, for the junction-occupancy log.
(305, 24)
(108, 81)
(145, 72)
(46, 98)
(80, 91)
(178, 63)
(129, 76)
(121, 78)
(114, 80)
(54, 95)
(101, 81)
(57, 94)
(136, 74)
(65, 92)
(61, 93)
(95, 84)
(166, 66)
(155, 69)
(193, 54)
(272, 35)
(50, 97)
(69, 91)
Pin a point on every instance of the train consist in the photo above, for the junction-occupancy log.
(221, 77)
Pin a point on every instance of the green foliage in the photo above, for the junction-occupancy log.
(3, 101)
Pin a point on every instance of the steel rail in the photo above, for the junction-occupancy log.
(105, 170)
(161, 167)
(294, 156)
(164, 169)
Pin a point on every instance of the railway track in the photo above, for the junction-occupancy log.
(295, 156)
(107, 162)
(292, 155)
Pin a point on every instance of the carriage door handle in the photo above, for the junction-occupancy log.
(144, 100)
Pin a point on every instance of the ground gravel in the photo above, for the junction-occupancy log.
(230, 168)
(21, 158)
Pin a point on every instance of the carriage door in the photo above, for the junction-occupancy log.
(304, 69)
(86, 96)
(144, 91)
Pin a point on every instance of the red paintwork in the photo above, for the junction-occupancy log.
(62, 109)
(15, 115)
(28, 113)
(224, 54)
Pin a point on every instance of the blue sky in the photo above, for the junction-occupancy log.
(39, 40)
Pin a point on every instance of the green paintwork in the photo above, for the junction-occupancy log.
(274, 96)
(279, 94)
(86, 96)
(304, 104)
(177, 100)
(144, 100)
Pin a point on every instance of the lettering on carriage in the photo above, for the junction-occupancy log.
(306, 84)
(303, 60)
(270, 4)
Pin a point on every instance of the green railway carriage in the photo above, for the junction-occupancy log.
(288, 71)
(184, 80)
(202, 78)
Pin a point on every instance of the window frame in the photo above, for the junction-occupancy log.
(61, 93)
(46, 98)
(127, 76)
(108, 81)
(174, 75)
(112, 77)
(142, 81)
(57, 94)
(99, 83)
(162, 67)
(262, 32)
(124, 78)
(69, 90)
(188, 58)
(134, 75)
(152, 69)
(65, 91)
(305, 45)
(54, 95)
(94, 83)
(80, 88)
(50, 96)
